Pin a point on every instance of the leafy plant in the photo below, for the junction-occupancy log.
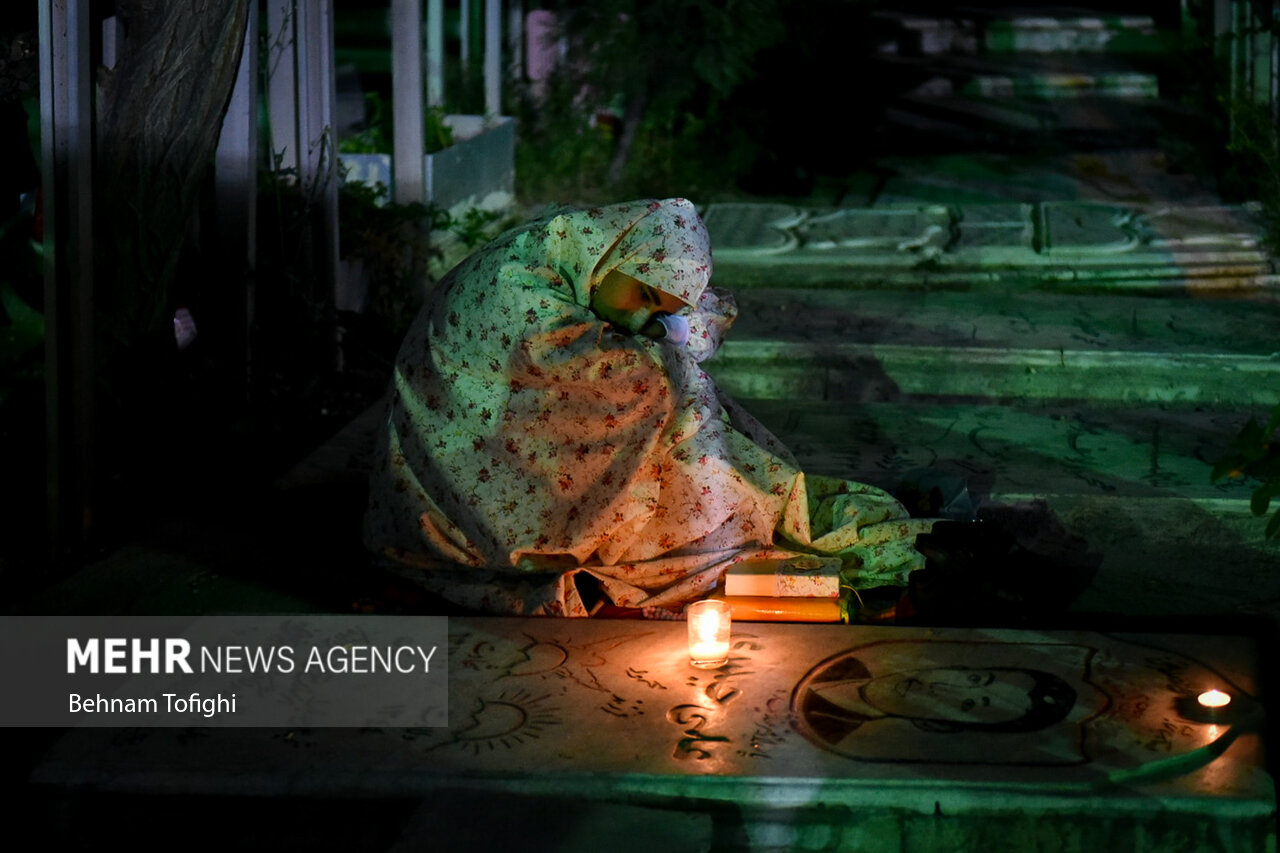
(376, 136)
(690, 97)
(19, 338)
(1255, 453)
(562, 154)
(474, 226)
(1252, 169)
(666, 57)
(21, 325)
(395, 244)
(373, 138)
(22, 372)
(438, 135)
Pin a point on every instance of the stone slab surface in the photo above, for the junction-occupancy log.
(908, 33)
(1015, 451)
(1009, 318)
(976, 180)
(1036, 76)
(1127, 484)
(1062, 242)
(997, 343)
(803, 716)
(1059, 29)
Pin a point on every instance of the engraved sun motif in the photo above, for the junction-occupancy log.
(547, 659)
(509, 720)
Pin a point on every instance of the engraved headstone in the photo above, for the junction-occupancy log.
(752, 228)
(808, 732)
(1088, 227)
(922, 231)
(533, 698)
(998, 234)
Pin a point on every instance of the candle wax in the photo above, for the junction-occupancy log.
(708, 650)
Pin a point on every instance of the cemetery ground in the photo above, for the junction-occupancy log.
(1066, 342)
(1083, 413)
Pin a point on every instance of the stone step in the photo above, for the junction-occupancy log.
(1066, 29)
(910, 34)
(976, 179)
(1035, 76)
(1131, 485)
(1019, 450)
(852, 371)
(913, 123)
(1043, 29)
(980, 114)
(1059, 245)
(998, 344)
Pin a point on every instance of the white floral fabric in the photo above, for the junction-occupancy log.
(536, 459)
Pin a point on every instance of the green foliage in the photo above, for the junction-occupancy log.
(22, 412)
(566, 147)
(474, 226)
(22, 334)
(1252, 169)
(377, 134)
(560, 154)
(690, 97)
(1255, 453)
(666, 65)
(668, 52)
(437, 135)
(395, 245)
(21, 325)
(292, 307)
(1226, 134)
(1244, 153)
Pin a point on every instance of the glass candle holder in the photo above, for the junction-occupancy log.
(709, 623)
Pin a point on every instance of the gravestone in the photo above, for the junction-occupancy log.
(1055, 244)
(811, 737)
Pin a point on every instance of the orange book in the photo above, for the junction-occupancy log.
(762, 608)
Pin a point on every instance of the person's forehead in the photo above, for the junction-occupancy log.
(668, 299)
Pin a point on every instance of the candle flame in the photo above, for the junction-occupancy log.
(1214, 699)
(706, 624)
(709, 625)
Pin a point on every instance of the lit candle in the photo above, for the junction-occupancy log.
(1214, 699)
(709, 623)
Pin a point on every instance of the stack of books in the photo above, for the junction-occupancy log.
(794, 589)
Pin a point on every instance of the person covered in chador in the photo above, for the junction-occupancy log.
(553, 444)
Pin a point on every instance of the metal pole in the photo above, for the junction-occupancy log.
(282, 84)
(236, 191)
(67, 142)
(317, 86)
(406, 101)
(515, 39)
(493, 57)
(435, 53)
(464, 36)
